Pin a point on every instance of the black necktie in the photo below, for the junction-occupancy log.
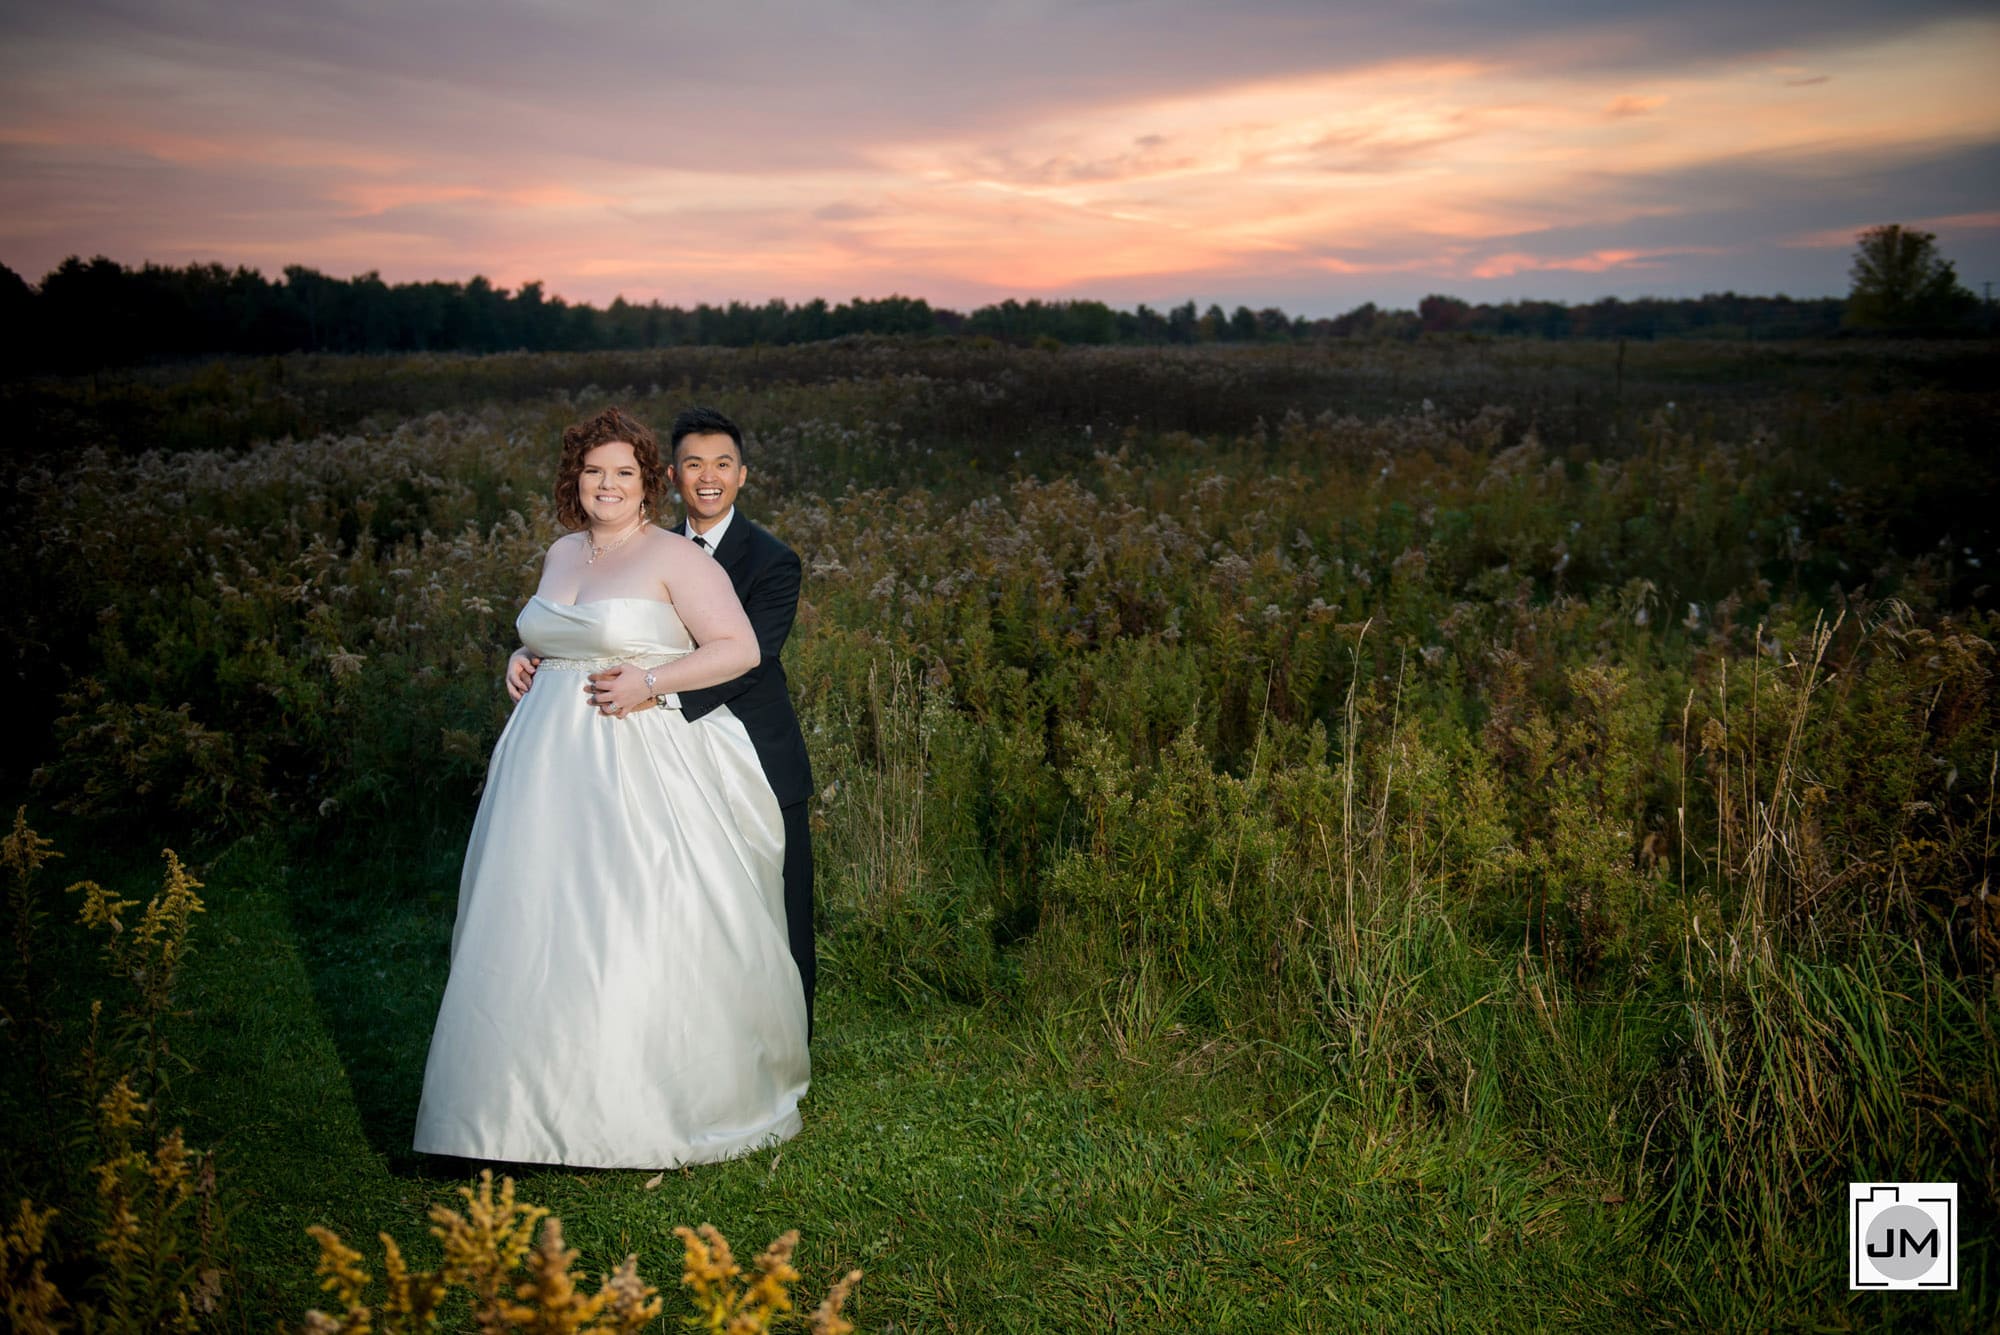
(701, 542)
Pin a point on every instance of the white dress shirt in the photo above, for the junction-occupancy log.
(713, 538)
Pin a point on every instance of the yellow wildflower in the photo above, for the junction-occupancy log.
(771, 1294)
(33, 1299)
(827, 1319)
(339, 1265)
(100, 907)
(413, 1294)
(486, 1244)
(550, 1287)
(168, 913)
(23, 851)
(709, 1270)
(487, 1247)
(118, 1238)
(121, 1106)
(629, 1302)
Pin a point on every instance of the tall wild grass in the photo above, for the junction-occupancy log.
(1612, 760)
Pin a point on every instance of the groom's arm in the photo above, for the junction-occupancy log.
(772, 604)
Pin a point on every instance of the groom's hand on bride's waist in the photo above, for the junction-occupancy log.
(520, 673)
(619, 691)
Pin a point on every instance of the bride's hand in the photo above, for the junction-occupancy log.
(521, 667)
(619, 691)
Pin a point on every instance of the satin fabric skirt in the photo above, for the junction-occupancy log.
(621, 991)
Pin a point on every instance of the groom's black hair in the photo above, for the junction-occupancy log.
(702, 422)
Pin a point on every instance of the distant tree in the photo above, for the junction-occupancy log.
(17, 320)
(813, 320)
(538, 322)
(1092, 322)
(1902, 284)
(371, 319)
(1442, 314)
(99, 313)
(1357, 323)
(487, 311)
(14, 289)
(1148, 325)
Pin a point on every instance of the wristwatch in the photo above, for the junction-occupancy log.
(664, 699)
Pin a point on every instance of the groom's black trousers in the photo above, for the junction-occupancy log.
(799, 899)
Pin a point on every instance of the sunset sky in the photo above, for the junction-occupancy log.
(1305, 155)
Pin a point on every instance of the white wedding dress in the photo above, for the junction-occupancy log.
(621, 992)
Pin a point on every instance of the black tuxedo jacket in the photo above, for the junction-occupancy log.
(766, 574)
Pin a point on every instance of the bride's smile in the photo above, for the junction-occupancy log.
(611, 487)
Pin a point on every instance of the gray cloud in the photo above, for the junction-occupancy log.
(698, 84)
(587, 92)
(1752, 200)
(1735, 227)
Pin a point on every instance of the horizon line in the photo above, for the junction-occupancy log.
(280, 279)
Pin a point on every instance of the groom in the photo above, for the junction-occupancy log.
(707, 470)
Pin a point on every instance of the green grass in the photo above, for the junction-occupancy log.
(988, 1170)
(1367, 865)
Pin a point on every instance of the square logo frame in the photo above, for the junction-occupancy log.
(1902, 1235)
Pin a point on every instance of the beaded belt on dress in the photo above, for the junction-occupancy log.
(642, 662)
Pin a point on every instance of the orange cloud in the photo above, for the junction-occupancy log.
(1368, 162)
(1634, 106)
(1597, 261)
(367, 198)
(232, 147)
(1440, 167)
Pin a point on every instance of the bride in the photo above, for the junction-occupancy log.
(621, 991)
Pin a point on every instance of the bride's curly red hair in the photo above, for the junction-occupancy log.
(581, 438)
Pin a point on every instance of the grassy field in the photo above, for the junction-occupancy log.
(988, 1171)
(1447, 836)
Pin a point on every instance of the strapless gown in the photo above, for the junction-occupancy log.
(621, 993)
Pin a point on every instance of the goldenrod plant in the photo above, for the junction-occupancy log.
(147, 1227)
(33, 1301)
(515, 1282)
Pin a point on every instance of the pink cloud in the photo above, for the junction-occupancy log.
(1841, 238)
(369, 197)
(1634, 106)
(1596, 261)
(1961, 222)
(1622, 146)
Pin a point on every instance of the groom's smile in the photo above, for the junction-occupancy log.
(707, 472)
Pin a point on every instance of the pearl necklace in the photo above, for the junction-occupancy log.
(597, 551)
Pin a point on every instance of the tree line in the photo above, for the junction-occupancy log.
(98, 312)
